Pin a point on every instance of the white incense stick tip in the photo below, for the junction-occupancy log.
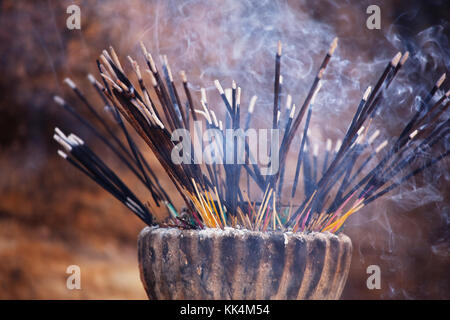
(106, 54)
(396, 59)
(218, 86)
(291, 115)
(338, 145)
(320, 74)
(367, 92)
(152, 62)
(164, 59)
(143, 48)
(288, 101)
(316, 150)
(228, 94)
(279, 48)
(203, 95)
(413, 134)
(76, 138)
(333, 46)
(169, 73)
(214, 118)
(381, 146)
(360, 130)
(319, 85)
(152, 78)
(328, 145)
(183, 76)
(60, 133)
(62, 154)
(238, 96)
(252, 104)
(63, 143)
(206, 112)
(373, 136)
(59, 100)
(70, 83)
(233, 84)
(441, 80)
(91, 79)
(281, 79)
(404, 58)
(359, 139)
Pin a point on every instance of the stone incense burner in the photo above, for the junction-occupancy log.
(242, 264)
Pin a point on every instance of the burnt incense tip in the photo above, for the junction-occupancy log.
(328, 145)
(169, 73)
(203, 95)
(338, 145)
(404, 58)
(413, 134)
(59, 132)
(152, 62)
(238, 96)
(367, 92)
(164, 59)
(143, 48)
(333, 46)
(441, 80)
(374, 136)
(62, 142)
(152, 78)
(76, 139)
(91, 78)
(228, 94)
(381, 146)
(288, 101)
(319, 85)
(360, 130)
(214, 118)
(359, 139)
(219, 86)
(115, 58)
(106, 54)
(279, 48)
(315, 150)
(321, 71)
(183, 76)
(132, 62)
(252, 104)
(70, 83)
(395, 60)
(62, 154)
(59, 100)
(291, 115)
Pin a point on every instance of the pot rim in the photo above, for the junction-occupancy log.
(229, 231)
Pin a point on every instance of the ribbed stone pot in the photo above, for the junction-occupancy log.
(242, 264)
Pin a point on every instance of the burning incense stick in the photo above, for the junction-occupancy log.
(212, 193)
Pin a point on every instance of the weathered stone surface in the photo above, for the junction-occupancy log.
(242, 264)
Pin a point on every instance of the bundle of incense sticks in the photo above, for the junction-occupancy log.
(214, 195)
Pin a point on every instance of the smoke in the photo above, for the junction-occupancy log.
(237, 39)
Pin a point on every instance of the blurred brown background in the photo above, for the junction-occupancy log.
(52, 217)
